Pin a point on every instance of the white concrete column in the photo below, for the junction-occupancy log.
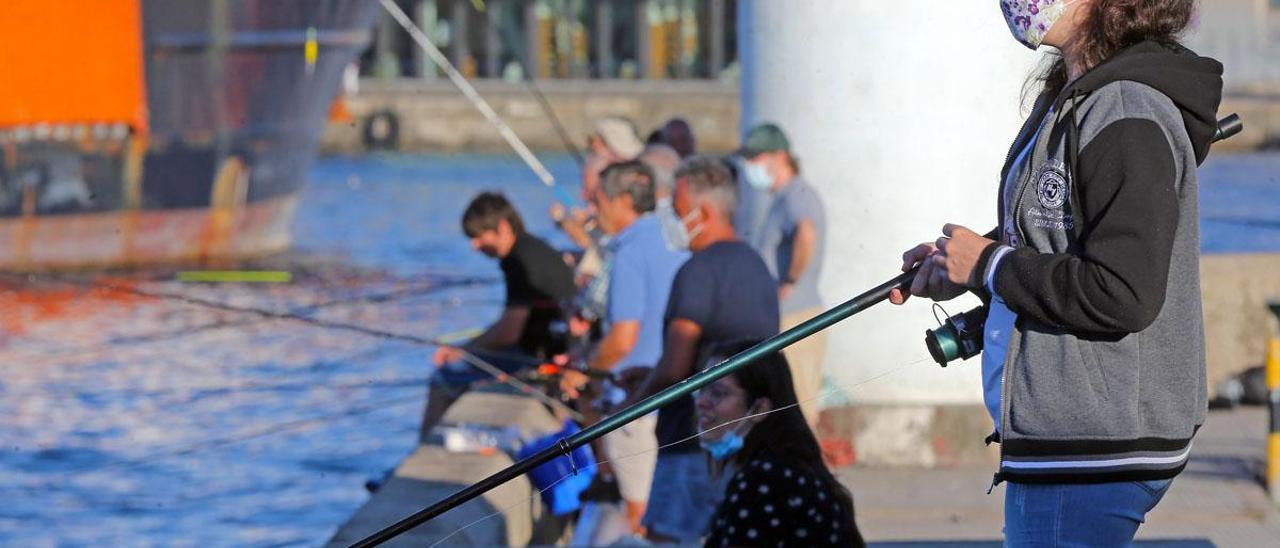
(901, 114)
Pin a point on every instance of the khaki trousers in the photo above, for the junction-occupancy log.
(806, 358)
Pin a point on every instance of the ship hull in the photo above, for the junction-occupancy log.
(127, 238)
(237, 94)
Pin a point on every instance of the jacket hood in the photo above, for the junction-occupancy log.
(1194, 83)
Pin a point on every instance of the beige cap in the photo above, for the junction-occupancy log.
(619, 134)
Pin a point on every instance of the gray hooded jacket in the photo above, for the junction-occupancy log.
(1104, 379)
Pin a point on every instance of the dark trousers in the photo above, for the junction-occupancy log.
(451, 381)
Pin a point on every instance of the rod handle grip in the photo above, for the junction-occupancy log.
(1228, 127)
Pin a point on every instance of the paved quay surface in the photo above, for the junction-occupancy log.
(1219, 500)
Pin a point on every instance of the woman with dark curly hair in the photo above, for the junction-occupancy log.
(1093, 361)
(781, 492)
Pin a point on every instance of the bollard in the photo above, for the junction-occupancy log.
(1273, 405)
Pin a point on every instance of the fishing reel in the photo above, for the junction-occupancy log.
(959, 337)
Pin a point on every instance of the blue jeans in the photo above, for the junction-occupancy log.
(683, 497)
(452, 381)
(1100, 514)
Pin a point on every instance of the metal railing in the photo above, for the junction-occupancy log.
(512, 39)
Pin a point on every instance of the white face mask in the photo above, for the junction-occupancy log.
(673, 227)
(757, 175)
(1030, 20)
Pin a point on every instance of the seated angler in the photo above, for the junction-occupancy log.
(537, 282)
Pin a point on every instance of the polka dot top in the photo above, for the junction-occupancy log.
(769, 503)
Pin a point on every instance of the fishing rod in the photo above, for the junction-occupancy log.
(648, 405)
(474, 97)
(1227, 128)
(531, 83)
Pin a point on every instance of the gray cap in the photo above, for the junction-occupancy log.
(764, 138)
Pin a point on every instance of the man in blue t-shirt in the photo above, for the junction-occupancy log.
(640, 269)
(723, 293)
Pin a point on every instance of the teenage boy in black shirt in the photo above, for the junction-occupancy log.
(537, 281)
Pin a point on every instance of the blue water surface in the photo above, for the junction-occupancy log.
(403, 213)
(159, 422)
(1240, 204)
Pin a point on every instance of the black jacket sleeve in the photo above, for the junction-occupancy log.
(1115, 281)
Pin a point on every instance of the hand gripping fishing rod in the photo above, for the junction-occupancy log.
(1228, 127)
(680, 390)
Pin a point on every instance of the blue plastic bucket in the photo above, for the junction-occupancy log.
(562, 497)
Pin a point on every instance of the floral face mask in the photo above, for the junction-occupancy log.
(1030, 20)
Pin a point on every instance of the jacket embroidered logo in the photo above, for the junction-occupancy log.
(1051, 189)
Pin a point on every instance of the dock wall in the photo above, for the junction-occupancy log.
(434, 116)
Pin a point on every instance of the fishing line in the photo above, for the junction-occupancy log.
(285, 427)
(467, 356)
(832, 391)
(532, 499)
(393, 382)
(550, 112)
(265, 386)
(158, 336)
(282, 427)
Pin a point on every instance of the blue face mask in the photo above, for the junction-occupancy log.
(730, 442)
(725, 447)
(757, 175)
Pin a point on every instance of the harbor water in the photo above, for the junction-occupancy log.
(138, 410)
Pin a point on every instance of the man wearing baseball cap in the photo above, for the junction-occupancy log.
(792, 241)
(613, 140)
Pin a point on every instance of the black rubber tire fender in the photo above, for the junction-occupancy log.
(382, 130)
